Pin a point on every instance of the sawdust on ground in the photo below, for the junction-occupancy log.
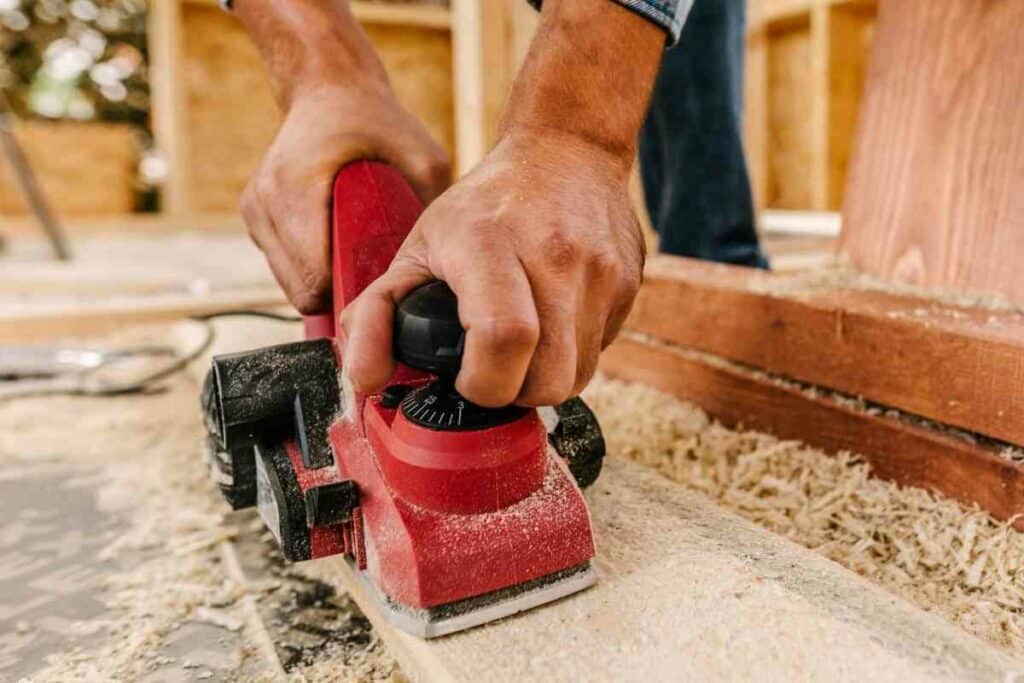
(170, 568)
(944, 556)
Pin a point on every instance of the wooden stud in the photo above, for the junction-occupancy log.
(959, 366)
(168, 102)
(934, 197)
(897, 450)
(481, 60)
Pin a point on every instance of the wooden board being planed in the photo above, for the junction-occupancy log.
(934, 194)
(686, 591)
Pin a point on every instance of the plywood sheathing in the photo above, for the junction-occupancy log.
(231, 114)
(83, 168)
(934, 197)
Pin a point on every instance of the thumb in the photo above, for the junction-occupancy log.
(368, 321)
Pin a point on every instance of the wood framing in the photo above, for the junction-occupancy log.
(806, 66)
(959, 366)
(935, 190)
(896, 449)
(168, 101)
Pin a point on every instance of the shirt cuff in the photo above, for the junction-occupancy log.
(668, 14)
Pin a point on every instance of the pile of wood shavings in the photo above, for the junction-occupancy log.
(946, 557)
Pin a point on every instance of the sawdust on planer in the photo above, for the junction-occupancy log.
(946, 557)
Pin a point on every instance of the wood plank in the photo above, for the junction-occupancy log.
(960, 366)
(483, 53)
(934, 196)
(44, 325)
(897, 450)
(688, 591)
(130, 223)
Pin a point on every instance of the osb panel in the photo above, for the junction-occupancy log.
(790, 135)
(84, 168)
(419, 63)
(231, 114)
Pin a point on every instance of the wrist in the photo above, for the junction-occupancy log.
(557, 150)
(310, 45)
(588, 76)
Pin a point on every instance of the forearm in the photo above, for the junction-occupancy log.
(310, 44)
(588, 74)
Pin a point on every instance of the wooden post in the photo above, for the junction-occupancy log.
(168, 109)
(483, 66)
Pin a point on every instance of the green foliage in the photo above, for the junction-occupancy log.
(80, 59)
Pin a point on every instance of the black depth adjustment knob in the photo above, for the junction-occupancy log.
(428, 335)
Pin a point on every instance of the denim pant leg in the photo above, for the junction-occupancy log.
(691, 153)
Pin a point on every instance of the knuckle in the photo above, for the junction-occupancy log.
(545, 394)
(607, 267)
(562, 250)
(436, 168)
(507, 335)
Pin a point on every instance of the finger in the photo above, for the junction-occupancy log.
(598, 305)
(261, 230)
(496, 309)
(591, 320)
(552, 373)
(302, 230)
(368, 324)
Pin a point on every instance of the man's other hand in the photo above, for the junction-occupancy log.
(286, 203)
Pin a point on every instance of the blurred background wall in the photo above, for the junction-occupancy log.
(159, 110)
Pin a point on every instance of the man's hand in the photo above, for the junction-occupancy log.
(539, 242)
(338, 108)
(286, 203)
(542, 247)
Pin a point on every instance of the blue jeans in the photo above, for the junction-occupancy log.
(691, 153)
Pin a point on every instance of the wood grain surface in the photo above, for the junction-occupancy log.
(960, 366)
(687, 591)
(935, 191)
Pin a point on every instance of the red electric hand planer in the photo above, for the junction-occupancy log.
(454, 514)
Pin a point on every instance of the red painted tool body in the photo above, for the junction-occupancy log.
(452, 526)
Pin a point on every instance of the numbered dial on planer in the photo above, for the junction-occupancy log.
(428, 336)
